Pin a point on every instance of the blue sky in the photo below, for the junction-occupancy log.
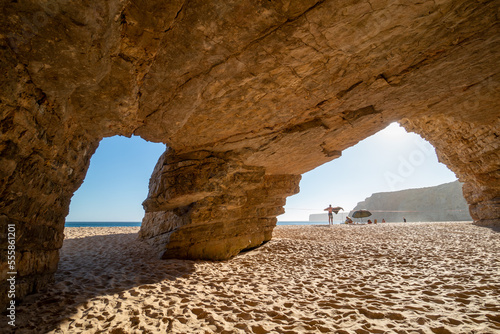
(117, 180)
(390, 160)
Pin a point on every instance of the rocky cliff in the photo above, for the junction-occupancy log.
(247, 96)
(440, 203)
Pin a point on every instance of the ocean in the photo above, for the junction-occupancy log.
(124, 224)
(101, 224)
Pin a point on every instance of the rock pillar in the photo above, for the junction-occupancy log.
(36, 185)
(472, 150)
(204, 206)
(44, 156)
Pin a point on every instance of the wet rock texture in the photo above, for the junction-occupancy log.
(250, 94)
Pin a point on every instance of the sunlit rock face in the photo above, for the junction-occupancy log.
(249, 95)
(444, 202)
(473, 151)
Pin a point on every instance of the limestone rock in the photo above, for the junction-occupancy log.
(440, 203)
(204, 206)
(473, 151)
(265, 90)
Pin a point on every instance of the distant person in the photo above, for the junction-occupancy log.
(348, 220)
(369, 221)
(404, 219)
(383, 220)
(375, 221)
(330, 214)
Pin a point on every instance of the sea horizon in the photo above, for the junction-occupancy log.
(129, 224)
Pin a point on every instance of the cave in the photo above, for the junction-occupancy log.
(247, 96)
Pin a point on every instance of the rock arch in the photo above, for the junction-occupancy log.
(247, 96)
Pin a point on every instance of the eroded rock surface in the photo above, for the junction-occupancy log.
(203, 206)
(473, 150)
(255, 93)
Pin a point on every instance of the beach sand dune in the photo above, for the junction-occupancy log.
(385, 278)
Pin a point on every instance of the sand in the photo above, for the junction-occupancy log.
(385, 278)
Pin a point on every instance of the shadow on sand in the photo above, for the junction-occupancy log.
(495, 228)
(91, 267)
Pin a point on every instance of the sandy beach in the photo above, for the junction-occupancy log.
(385, 278)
